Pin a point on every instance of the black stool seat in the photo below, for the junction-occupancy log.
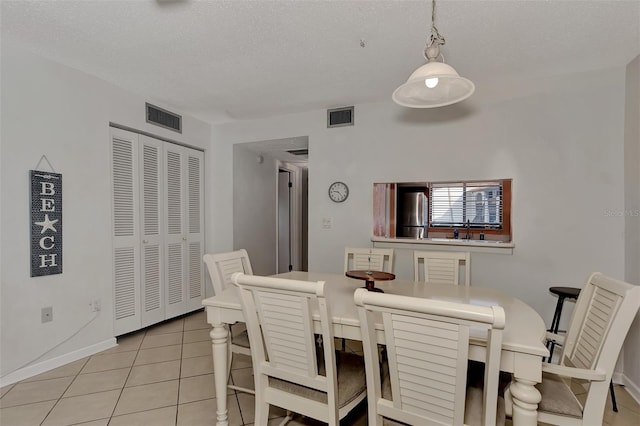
(565, 292)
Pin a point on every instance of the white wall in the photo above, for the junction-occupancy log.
(254, 202)
(64, 114)
(631, 352)
(561, 140)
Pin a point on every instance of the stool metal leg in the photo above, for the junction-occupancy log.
(555, 324)
(613, 397)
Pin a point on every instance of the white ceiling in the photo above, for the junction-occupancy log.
(227, 60)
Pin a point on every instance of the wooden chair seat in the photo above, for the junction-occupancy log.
(351, 381)
(557, 397)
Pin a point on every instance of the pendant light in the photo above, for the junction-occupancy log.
(435, 83)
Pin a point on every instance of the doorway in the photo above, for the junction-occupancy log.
(270, 203)
(285, 224)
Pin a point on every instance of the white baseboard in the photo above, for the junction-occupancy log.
(632, 388)
(50, 364)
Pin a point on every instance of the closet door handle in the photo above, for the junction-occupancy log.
(145, 241)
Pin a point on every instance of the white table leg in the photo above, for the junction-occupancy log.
(525, 402)
(220, 343)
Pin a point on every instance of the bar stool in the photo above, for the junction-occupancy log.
(563, 293)
(571, 294)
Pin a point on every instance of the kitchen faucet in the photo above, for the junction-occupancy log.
(469, 234)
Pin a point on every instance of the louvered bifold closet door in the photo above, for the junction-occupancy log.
(194, 228)
(152, 271)
(175, 237)
(126, 235)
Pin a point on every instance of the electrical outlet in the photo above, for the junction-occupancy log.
(95, 305)
(46, 314)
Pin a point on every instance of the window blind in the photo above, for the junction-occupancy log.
(456, 204)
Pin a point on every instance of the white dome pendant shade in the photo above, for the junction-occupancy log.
(434, 84)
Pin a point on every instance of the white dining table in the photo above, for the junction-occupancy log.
(522, 345)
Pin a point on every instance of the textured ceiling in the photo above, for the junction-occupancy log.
(227, 60)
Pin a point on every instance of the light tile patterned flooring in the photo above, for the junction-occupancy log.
(161, 376)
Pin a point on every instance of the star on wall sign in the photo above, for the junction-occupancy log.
(47, 224)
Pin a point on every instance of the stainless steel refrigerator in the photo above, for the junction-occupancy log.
(412, 215)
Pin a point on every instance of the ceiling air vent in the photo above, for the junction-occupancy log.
(304, 151)
(338, 117)
(163, 118)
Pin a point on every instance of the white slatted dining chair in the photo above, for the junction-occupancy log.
(221, 266)
(441, 267)
(601, 319)
(289, 371)
(372, 259)
(427, 345)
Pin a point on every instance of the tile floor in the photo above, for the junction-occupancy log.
(160, 376)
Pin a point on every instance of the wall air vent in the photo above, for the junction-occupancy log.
(339, 117)
(163, 118)
(304, 151)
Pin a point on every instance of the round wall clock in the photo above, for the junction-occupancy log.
(338, 192)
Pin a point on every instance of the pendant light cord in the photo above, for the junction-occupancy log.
(432, 49)
(435, 35)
